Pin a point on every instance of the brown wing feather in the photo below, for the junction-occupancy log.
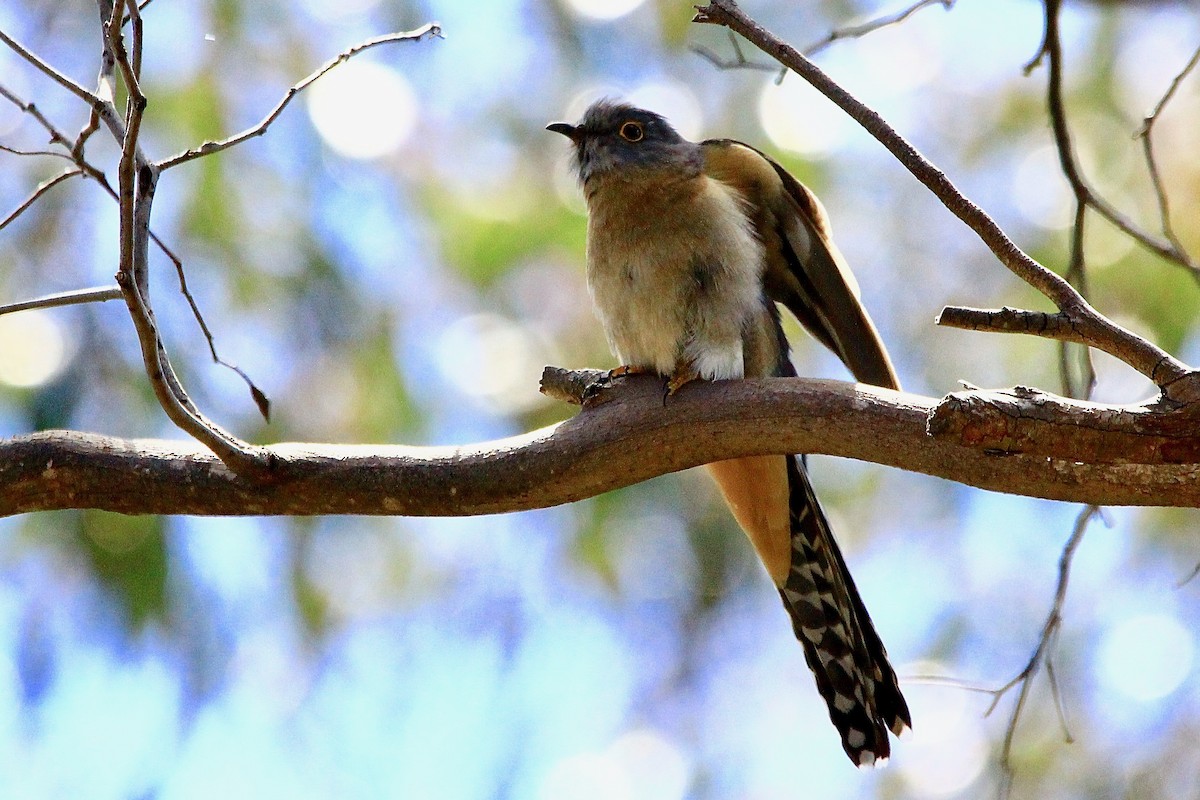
(804, 271)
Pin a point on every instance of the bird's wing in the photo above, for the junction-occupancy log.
(804, 270)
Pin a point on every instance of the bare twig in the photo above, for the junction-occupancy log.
(739, 61)
(42, 188)
(1010, 320)
(137, 178)
(946, 680)
(135, 18)
(208, 148)
(141, 7)
(1042, 654)
(1189, 577)
(62, 80)
(71, 298)
(75, 149)
(1097, 330)
(106, 76)
(885, 21)
(1145, 134)
(1076, 272)
(32, 110)
(16, 151)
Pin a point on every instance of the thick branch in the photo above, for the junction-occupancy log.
(1022, 442)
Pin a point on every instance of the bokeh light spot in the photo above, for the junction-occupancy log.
(657, 768)
(33, 348)
(603, 9)
(1146, 657)
(947, 750)
(492, 358)
(363, 110)
(588, 776)
(640, 765)
(797, 118)
(1040, 192)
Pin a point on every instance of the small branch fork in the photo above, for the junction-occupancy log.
(1145, 134)
(739, 61)
(137, 179)
(1166, 246)
(1174, 378)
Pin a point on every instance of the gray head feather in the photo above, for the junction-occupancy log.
(619, 140)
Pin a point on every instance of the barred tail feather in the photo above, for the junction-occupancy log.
(841, 646)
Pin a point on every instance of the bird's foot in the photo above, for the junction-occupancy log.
(684, 373)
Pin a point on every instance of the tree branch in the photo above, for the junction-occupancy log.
(137, 180)
(76, 155)
(41, 189)
(878, 23)
(1011, 320)
(1022, 442)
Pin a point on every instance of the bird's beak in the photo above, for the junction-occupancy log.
(569, 131)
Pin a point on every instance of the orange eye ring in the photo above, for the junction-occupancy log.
(632, 131)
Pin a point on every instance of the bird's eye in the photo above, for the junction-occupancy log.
(632, 132)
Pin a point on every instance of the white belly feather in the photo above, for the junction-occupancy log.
(675, 274)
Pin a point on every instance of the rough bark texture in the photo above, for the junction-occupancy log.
(1020, 441)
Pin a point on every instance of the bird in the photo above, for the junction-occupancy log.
(691, 250)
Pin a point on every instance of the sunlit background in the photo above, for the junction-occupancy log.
(396, 261)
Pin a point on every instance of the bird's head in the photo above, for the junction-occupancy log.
(620, 140)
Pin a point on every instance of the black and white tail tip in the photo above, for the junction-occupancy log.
(841, 646)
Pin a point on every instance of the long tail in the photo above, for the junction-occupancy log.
(840, 643)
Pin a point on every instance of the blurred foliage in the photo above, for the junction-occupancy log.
(129, 555)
